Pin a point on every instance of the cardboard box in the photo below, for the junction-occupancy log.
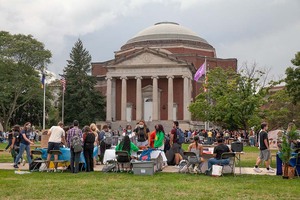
(44, 141)
(143, 167)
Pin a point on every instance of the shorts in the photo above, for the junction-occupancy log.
(265, 154)
(176, 148)
(53, 146)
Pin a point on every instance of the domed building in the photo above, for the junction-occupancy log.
(151, 76)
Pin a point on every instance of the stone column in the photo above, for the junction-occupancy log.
(138, 97)
(108, 99)
(186, 98)
(155, 98)
(170, 97)
(123, 98)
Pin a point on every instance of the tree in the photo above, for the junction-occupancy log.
(82, 101)
(20, 57)
(292, 79)
(280, 110)
(232, 100)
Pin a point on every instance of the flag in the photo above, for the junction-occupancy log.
(200, 72)
(43, 80)
(63, 84)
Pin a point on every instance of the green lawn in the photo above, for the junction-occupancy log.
(98, 185)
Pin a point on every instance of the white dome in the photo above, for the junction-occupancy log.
(166, 31)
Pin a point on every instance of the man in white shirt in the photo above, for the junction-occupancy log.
(57, 136)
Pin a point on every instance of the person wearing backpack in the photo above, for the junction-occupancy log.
(176, 140)
(105, 141)
(88, 148)
(15, 144)
(74, 140)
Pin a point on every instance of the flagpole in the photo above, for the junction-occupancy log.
(63, 106)
(44, 103)
(206, 123)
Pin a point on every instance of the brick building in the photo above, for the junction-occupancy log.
(151, 76)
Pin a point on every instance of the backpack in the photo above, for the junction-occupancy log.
(146, 155)
(180, 136)
(76, 142)
(108, 138)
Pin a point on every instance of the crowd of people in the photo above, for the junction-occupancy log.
(132, 139)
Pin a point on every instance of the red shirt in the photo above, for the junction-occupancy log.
(152, 138)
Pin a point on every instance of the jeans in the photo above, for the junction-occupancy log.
(24, 147)
(214, 161)
(252, 141)
(88, 156)
(75, 158)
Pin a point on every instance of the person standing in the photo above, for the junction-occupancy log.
(75, 156)
(88, 148)
(175, 146)
(57, 136)
(264, 150)
(159, 137)
(15, 144)
(142, 134)
(105, 141)
(24, 144)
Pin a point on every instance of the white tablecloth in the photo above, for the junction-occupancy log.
(110, 154)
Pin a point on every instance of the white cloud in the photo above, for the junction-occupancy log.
(254, 30)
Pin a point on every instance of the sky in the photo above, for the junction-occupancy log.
(265, 32)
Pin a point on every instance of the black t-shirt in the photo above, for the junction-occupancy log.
(142, 135)
(16, 135)
(262, 136)
(220, 149)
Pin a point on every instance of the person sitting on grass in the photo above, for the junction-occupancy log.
(218, 151)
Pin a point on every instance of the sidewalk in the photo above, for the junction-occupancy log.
(168, 169)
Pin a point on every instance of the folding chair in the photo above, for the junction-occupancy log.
(231, 156)
(56, 162)
(123, 158)
(37, 160)
(192, 159)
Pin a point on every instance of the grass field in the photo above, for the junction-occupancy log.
(98, 185)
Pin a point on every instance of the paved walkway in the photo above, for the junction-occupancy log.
(168, 169)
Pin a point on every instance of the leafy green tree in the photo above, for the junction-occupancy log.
(292, 79)
(82, 101)
(280, 110)
(20, 57)
(231, 101)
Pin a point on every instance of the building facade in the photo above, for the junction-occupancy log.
(151, 76)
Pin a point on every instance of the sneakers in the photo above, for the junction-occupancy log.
(270, 170)
(257, 170)
(176, 166)
(16, 166)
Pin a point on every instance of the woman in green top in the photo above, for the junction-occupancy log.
(126, 145)
(159, 137)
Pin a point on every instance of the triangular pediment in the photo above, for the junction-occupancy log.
(148, 57)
